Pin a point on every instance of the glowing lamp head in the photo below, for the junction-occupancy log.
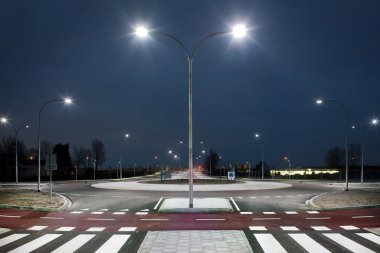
(26, 126)
(68, 101)
(374, 121)
(141, 32)
(239, 31)
(126, 135)
(257, 135)
(4, 120)
(319, 101)
(170, 152)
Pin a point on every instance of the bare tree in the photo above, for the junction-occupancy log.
(98, 152)
(334, 157)
(8, 145)
(354, 153)
(79, 157)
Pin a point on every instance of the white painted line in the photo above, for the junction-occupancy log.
(289, 228)
(85, 209)
(37, 228)
(103, 210)
(11, 238)
(291, 212)
(236, 206)
(144, 210)
(269, 244)
(257, 228)
(100, 219)
(266, 219)
(239, 197)
(93, 196)
(246, 213)
(113, 244)
(348, 243)
(65, 229)
(97, 212)
(362, 217)
(127, 229)
(312, 212)
(318, 218)
(158, 203)
(210, 219)
(369, 236)
(309, 244)
(4, 230)
(52, 218)
(269, 213)
(141, 213)
(74, 244)
(10, 216)
(76, 212)
(119, 213)
(35, 244)
(153, 219)
(253, 197)
(349, 227)
(124, 210)
(320, 228)
(278, 196)
(95, 229)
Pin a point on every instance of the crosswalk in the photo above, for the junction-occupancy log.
(289, 239)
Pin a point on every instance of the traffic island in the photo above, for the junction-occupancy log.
(200, 205)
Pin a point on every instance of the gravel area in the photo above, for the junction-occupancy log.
(351, 198)
(29, 198)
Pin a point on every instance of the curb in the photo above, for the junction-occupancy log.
(310, 203)
(65, 205)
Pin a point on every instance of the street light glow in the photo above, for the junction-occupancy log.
(374, 121)
(239, 31)
(319, 101)
(4, 120)
(141, 31)
(257, 135)
(68, 101)
(126, 135)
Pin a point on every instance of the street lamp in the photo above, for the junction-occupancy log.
(5, 121)
(258, 136)
(373, 122)
(125, 136)
(66, 101)
(238, 32)
(320, 102)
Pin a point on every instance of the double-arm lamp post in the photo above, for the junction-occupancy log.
(319, 102)
(16, 130)
(238, 31)
(125, 136)
(66, 101)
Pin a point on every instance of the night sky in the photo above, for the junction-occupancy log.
(295, 52)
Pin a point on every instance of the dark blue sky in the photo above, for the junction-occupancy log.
(296, 51)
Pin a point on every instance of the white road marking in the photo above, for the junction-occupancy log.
(239, 197)
(269, 213)
(158, 203)
(65, 229)
(35, 244)
(236, 206)
(246, 213)
(141, 213)
(362, 217)
(74, 244)
(127, 229)
(119, 213)
(124, 210)
(257, 228)
(85, 209)
(312, 212)
(348, 243)
(97, 212)
(210, 219)
(253, 197)
(320, 228)
(269, 244)
(52, 218)
(349, 227)
(318, 218)
(369, 236)
(113, 244)
(10, 216)
(153, 219)
(291, 212)
(144, 210)
(289, 228)
(95, 229)
(309, 244)
(266, 219)
(103, 210)
(11, 238)
(100, 219)
(37, 228)
(76, 212)
(4, 230)
(278, 196)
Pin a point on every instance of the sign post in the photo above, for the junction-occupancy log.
(50, 165)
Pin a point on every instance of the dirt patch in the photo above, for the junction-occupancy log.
(29, 198)
(186, 181)
(351, 198)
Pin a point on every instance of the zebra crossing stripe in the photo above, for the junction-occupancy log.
(113, 244)
(269, 244)
(127, 229)
(320, 228)
(95, 229)
(309, 244)
(119, 213)
(369, 236)
(35, 244)
(37, 228)
(348, 243)
(257, 228)
(312, 212)
(349, 227)
(65, 229)
(289, 228)
(74, 244)
(11, 238)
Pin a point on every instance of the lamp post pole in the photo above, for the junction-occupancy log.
(319, 101)
(125, 136)
(66, 101)
(239, 31)
(374, 122)
(262, 154)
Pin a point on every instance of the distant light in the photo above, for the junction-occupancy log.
(374, 121)
(285, 158)
(353, 127)
(203, 151)
(319, 101)
(239, 31)
(180, 142)
(175, 156)
(257, 135)
(26, 126)
(141, 31)
(126, 135)
(201, 142)
(170, 151)
(4, 120)
(156, 157)
(68, 101)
